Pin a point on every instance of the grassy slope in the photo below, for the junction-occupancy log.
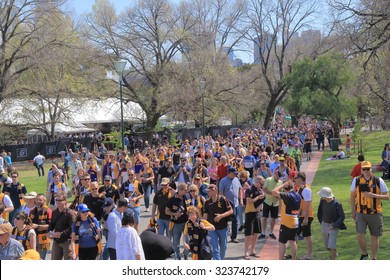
(335, 174)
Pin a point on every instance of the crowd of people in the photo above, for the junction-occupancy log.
(210, 188)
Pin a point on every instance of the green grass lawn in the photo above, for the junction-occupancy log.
(336, 175)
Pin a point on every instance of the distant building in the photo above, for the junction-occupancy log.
(230, 53)
(237, 62)
(262, 45)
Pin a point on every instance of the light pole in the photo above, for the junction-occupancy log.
(120, 67)
(202, 85)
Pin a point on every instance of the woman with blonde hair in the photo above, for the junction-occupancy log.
(195, 230)
(194, 198)
(23, 231)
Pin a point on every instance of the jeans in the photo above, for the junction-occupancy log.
(39, 168)
(163, 225)
(147, 188)
(176, 236)
(219, 243)
(234, 224)
(105, 254)
(241, 214)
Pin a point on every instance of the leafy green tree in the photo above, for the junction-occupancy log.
(318, 87)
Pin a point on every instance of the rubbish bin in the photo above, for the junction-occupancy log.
(334, 144)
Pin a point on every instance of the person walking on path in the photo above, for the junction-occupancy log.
(195, 230)
(270, 205)
(160, 201)
(254, 198)
(128, 242)
(291, 204)
(230, 187)
(114, 222)
(15, 191)
(60, 229)
(307, 214)
(331, 217)
(85, 235)
(367, 192)
(217, 209)
(177, 209)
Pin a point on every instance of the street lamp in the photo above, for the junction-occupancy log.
(202, 85)
(120, 67)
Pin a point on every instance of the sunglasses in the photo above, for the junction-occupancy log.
(131, 174)
(366, 169)
(95, 189)
(192, 190)
(14, 176)
(87, 179)
(59, 200)
(19, 218)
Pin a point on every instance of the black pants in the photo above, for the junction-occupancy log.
(40, 167)
(112, 253)
(88, 253)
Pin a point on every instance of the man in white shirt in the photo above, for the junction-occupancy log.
(38, 162)
(114, 223)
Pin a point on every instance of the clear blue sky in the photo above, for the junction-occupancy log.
(85, 6)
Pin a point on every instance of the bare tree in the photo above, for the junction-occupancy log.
(272, 26)
(148, 36)
(366, 23)
(21, 24)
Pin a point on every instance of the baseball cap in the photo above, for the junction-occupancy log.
(107, 178)
(197, 177)
(232, 170)
(165, 181)
(5, 228)
(281, 159)
(296, 145)
(366, 164)
(30, 255)
(108, 202)
(83, 208)
(30, 195)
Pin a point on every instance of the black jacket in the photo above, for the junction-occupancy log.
(338, 215)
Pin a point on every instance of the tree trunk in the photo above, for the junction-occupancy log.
(386, 118)
(294, 121)
(269, 113)
(151, 122)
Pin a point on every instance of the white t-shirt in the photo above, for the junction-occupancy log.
(7, 201)
(39, 159)
(306, 194)
(382, 185)
(128, 244)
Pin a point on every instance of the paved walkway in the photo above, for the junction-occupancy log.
(267, 248)
(270, 250)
